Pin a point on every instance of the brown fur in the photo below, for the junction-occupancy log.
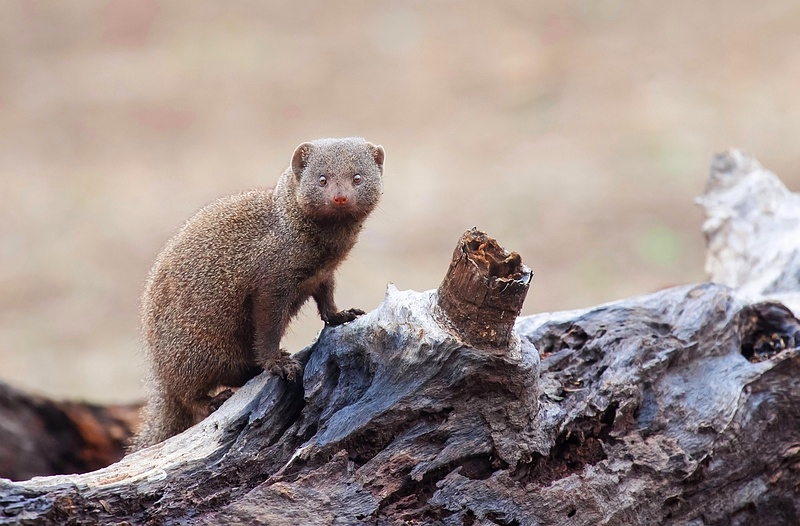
(224, 289)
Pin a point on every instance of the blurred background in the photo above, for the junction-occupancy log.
(576, 133)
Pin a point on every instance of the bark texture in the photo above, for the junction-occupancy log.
(483, 291)
(678, 407)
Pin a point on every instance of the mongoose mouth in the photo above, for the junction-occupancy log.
(347, 209)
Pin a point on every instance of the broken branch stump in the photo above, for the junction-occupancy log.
(483, 291)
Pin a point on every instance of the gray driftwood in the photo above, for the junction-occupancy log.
(679, 407)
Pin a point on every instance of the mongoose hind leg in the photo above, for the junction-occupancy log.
(200, 407)
(219, 399)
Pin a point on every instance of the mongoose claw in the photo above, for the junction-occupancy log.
(286, 367)
(344, 316)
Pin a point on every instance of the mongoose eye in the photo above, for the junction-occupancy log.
(357, 179)
(323, 180)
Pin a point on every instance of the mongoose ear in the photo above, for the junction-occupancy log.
(378, 154)
(300, 158)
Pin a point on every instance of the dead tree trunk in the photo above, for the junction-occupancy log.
(679, 407)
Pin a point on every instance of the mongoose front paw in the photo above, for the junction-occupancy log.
(286, 367)
(343, 316)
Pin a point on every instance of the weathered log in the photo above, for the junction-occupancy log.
(679, 407)
(39, 436)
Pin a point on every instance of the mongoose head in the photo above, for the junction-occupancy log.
(338, 179)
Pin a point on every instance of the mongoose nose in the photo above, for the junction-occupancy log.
(340, 199)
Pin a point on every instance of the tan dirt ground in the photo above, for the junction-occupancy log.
(577, 133)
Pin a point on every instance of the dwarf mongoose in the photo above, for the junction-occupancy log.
(223, 290)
